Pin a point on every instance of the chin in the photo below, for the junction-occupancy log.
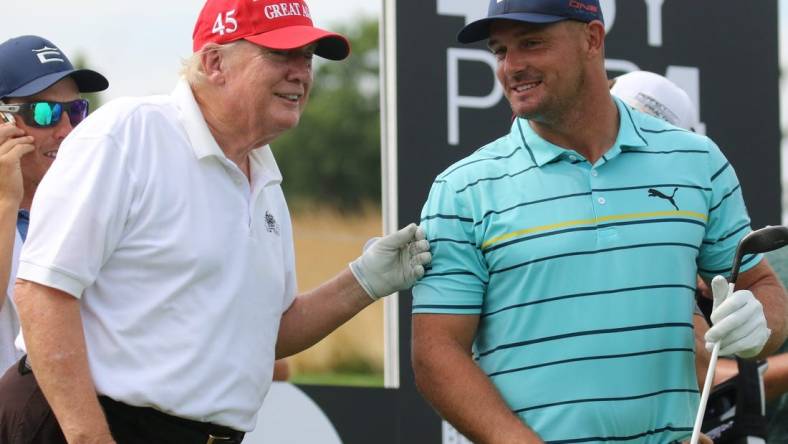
(525, 113)
(279, 122)
(290, 125)
(288, 119)
(531, 110)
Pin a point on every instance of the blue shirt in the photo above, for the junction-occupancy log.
(22, 222)
(583, 275)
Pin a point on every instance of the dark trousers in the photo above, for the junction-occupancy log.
(26, 418)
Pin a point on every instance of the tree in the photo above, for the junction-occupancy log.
(333, 157)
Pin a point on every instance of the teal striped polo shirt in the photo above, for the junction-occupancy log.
(583, 276)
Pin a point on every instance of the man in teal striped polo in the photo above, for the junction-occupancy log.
(559, 304)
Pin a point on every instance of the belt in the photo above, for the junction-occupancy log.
(214, 433)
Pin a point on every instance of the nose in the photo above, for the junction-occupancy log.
(300, 67)
(512, 63)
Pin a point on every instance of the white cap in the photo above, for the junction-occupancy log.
(655, 95)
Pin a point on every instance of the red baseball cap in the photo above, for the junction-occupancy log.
(274, 24)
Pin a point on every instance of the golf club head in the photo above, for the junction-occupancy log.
(766, 239)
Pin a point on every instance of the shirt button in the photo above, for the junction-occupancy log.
(572, 158)
(594, 173)
(601, 201)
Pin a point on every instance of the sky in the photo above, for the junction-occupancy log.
(139, 44)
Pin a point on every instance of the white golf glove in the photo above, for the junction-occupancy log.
(392, 263)
(738, 322)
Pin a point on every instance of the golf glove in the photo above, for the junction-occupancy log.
(392, 263)
(738, 322)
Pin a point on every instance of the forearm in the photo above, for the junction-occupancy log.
(776, 379)
(8, 212)
(771, 294)
(726, 369)
(769, 291)
(55, 342)
(463, 395)
(702, 356)
(315, 314)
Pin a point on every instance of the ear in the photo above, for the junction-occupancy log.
(213, 66)
(595, 38)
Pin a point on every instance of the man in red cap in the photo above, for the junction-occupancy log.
(168, 286)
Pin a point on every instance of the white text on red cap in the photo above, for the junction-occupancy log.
(286, 9)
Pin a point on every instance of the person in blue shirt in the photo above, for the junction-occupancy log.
(40, 104)
(656, 95)
(559, 303)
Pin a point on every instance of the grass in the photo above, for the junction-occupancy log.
(325, 241)
(344, 379)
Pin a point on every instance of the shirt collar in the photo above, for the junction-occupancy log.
(543, 152)
(629, 133)
(262, 162)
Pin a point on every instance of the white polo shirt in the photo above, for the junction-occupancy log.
(182, 267)
(9, 321)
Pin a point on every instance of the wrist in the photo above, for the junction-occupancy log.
(524, 434)
(95, 431)
(358, 273)
(92, 438)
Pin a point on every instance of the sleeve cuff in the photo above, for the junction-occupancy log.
(56, 279)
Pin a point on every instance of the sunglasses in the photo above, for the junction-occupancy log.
(48, 114)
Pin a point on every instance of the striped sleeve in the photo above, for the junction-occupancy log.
(457, 278)
(728, 220)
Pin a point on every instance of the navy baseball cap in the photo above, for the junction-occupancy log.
(531, 11)
(30, 64)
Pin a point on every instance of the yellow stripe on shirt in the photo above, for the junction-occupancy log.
(594, 221)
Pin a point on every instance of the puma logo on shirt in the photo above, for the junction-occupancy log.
(656, 193)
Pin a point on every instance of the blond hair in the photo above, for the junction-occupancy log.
(191, 67)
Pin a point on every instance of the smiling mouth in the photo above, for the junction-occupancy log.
(526, 87)
(50, 154)
(290, 97)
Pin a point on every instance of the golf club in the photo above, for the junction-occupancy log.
(766, 239)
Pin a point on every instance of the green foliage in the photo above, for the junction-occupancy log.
(333, 157)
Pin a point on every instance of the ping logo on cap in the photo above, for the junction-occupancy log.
(580, 5)
(48, 55)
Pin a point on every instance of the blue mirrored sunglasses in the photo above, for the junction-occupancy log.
(48, 114)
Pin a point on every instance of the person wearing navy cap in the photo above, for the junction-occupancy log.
(559, 303)
(40, 105)
(153, 310)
